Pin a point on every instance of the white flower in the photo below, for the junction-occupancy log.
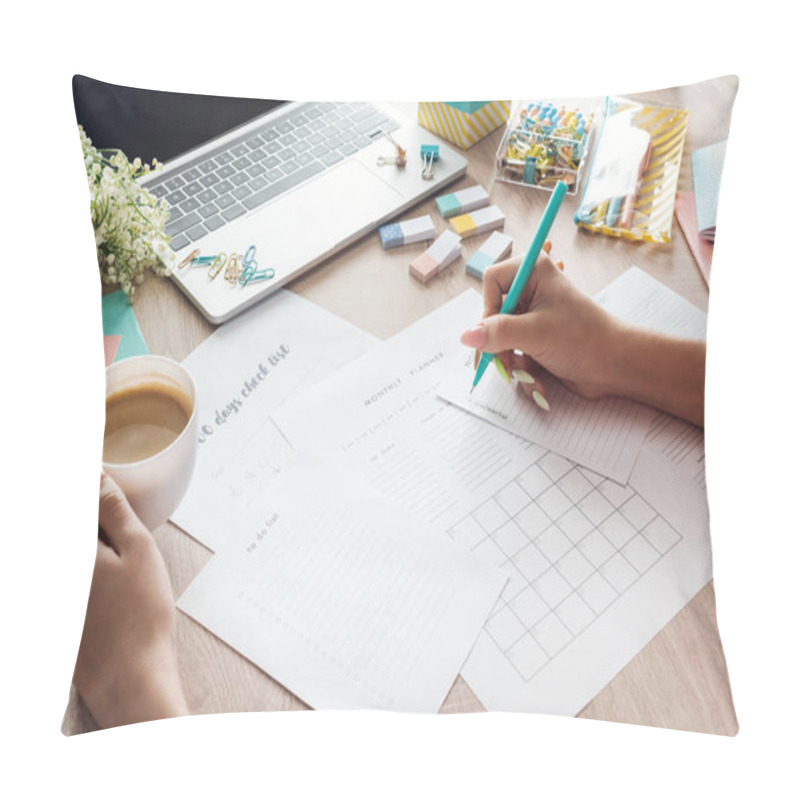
(128, 221)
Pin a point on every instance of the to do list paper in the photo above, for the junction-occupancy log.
(344, 598)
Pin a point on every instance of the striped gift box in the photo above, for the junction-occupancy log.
(463, 124)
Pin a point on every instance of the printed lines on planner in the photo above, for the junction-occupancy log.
(683, 445)
(571, 542)
(467, 450)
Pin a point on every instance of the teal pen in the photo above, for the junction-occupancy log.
(526, 268)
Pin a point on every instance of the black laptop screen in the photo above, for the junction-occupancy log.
(154, 124)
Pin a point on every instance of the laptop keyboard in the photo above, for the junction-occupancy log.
(226, 183)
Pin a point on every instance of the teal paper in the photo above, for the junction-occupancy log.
(468, 107)
(119, 320)
(707, 166)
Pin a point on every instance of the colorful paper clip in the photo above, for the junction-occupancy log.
(216, 266)
(250, 272)
(188, 260)
(232, 269)
(251, 275)
(250, 256)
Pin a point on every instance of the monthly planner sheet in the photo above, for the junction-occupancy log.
(593, 569)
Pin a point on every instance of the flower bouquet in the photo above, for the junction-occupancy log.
(128, 220)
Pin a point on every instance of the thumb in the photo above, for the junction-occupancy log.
(501, 332)
(116, 518)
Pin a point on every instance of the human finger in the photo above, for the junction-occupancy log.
(497, 280)
(501, 332)
(530, 380)
(116, 518)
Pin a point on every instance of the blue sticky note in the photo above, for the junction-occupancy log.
(119, 320)
(707, 163)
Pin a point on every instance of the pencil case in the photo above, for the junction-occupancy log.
(633, 177)
(545, 143)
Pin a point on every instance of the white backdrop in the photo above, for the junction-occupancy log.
(52, 399)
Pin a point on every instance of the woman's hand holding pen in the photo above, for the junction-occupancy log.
(559, 331)
(556, 329)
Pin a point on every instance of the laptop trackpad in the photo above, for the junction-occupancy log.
(312, 220)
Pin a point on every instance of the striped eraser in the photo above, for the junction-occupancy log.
(445, 250)
(480, 221)
(494, 249)
(395, 234)
(462, 201)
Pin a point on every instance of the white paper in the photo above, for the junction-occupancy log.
(640, 299)
(244, 370)
(672, 460)
(604, 435)
(380, 415)
(344, 598)
(658, 526)
(594, 571)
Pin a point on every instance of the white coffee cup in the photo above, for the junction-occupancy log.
(156, 485)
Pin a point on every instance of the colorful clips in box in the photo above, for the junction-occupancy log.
(445, 250)
(409, 231)
(483, 220)
(494, 249)
(463, 201)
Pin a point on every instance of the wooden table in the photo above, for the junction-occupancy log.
(679, 679)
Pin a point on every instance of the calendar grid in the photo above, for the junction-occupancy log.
(571, 542)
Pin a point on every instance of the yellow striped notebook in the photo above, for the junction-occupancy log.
(633, 178)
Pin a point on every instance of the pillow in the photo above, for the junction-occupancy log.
(293, 459)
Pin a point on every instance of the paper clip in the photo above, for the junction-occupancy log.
(216, 266)
(232, 270)
(250, 256)
(250, 274)
(189, 258)
(203, 261)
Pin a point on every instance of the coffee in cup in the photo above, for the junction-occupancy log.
(150, 438)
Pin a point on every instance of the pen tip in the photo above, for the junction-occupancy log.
(471, 389)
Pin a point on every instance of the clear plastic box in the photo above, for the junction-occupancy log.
(545, 143)
(633, 178)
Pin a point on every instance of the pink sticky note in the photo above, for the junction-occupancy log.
(111, 345)
(701, 248)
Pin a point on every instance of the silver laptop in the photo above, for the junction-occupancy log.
(293, 187)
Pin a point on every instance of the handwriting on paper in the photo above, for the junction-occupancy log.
(249, 386)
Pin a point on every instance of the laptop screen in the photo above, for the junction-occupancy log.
(154, 124)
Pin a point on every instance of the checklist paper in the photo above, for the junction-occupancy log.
(594, 569)
(603, 435)
(243, 371)
(344, 598)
